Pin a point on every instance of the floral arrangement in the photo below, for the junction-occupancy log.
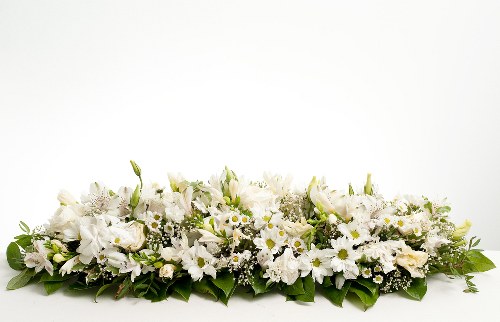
(231, 234)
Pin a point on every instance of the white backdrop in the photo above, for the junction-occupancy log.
(408, 90)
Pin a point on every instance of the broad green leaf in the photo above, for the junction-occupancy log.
(335, 295)
(327, 282)
(478, 262)
(259, 284)
(22, 279)
(80, 286)
(224, 281)
(183, 287)
(51, 287)
(14, 257)
(417, 288)
(364, 295)
(205, 287)
(369, 285)
(296, 288)
(225, 298)
(309, 288)
(56, 277)
(24, 240)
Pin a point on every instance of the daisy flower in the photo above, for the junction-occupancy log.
(344, 257)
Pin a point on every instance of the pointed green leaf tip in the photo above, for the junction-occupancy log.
(136, 168)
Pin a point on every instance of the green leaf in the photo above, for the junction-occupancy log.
(327, 282)
(24, 227)
(369, 285)
(335, 295)
(364, 295)
(56, 277)
(14, 257)
(225, 298)
(417, 288)
(309, 288)
(224, 281)
(101, 290)
(24, 240)
(443, 209)
(183, 287)
(203, 286)
(478, 262)
(123, 288)
(22, 279)
(51, 287)
(259, 284)
(296, 288)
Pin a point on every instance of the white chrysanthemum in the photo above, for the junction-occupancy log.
(297, 244)
(236, 259)
(355, 231)
(198, 261)
(284, 268)
(272, 239)
(345, 257)
(317, 261)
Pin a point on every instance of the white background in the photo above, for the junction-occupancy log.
(407, 90)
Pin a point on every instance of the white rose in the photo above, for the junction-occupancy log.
(167, 271)
(297, 229)
(136, 230)
(412, 261)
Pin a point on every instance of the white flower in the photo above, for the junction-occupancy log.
(66, 198)
(355, 231)
(378, 279)
(38, 259)
(433, 242)
(345, 257)
(318, 262)
(264, 257)
(412, 261)
(64, 218)
(153, 221)
(284, 268)
(136, 235)
(132, 267)
(67, 268)
(277, 184)
(209, 237)
(167, 271)
(198, 261)
(298, 228)
(272, 239)
(330, 202)
(297, 245)
(174, 253)
(236, 259)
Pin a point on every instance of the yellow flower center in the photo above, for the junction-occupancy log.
(400, 223)
(117, 240)
(266, 218)
(281, 233)
(297, 244)
(300, 249)
(234, 218)
(154, 225)
(157, 217)
(343, 254)
(270, 243)
(201, 262)
(316, 262)
(354, 234)
(387, 220)
(244, 219)
(235, 259)
(270, 226)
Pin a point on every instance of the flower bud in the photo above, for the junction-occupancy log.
(368, 185)
(58, 258)
(167, 271)
(136, 168)
(462, 230)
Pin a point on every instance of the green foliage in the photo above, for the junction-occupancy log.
(14, 257)
(296, 288)
(204, 286)
(225, 282)
(333, 294)
(22, 279)
(309, 289)
(183, 287)
(364, 294)
(477, 262)
(51, 287)
(417, 288)
(258, 283)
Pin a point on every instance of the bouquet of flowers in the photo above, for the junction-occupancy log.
(230, 234)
